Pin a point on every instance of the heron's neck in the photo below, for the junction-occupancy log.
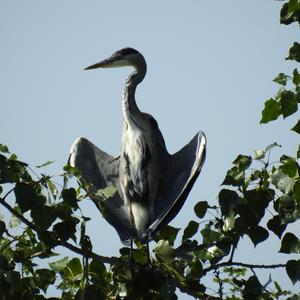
(130, 108)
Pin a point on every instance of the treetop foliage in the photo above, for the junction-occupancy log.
(258, 198)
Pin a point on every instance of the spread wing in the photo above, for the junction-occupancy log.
(179, 176)
(101, 170)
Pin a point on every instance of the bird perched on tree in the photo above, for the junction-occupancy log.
(152, 185)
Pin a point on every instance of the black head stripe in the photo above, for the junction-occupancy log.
(127, 51)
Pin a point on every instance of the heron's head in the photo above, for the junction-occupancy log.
(122, 58)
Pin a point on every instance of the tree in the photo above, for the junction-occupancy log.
(255, 191)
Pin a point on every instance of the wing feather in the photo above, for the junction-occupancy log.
(101, 170)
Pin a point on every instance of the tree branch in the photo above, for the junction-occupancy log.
(240, 264)
(86, 253)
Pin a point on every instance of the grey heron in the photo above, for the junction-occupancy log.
(152, 185)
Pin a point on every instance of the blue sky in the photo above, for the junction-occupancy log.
(210, 67)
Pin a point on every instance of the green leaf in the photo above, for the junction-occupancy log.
(228, 200)
(234, 177)
(3, 148)
(164, 250)
(271, 111)
(259, 154)
(288, 103)
(168, 233)
(69, 197)
(282, 181)
(59, 265)
(276, 226)
(52, 187)
(190, 230)
(108, 192)
(290, 244)
(296, 128)
(200, 209)
(252, 288)
(293, 270)
(210, 235)
(72, 269)
(298, 151)
(296, 77)
(281, 78)
(293, 6)
(289, 166)
(286, 17)
(258, 234)
(285, 205)
(49, 162)
(43, 217)
(242, 162)
(139, 256)
(294, 53)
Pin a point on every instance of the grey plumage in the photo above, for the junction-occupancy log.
(151, 184)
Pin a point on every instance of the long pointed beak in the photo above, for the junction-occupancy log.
(106, 63)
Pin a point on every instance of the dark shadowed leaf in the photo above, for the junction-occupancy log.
(168, 233)
(258, 234)
(296, 77)
(252, 288)
(294, 53)
(44, 278)
(288, 103)
(275, 225)
(196, 269)
(296, 128)
(27, 197)
(97, 267)
(190, 230)
(2, 228)
(69, 196)
(43, 216)
(293, 270)
(66, 229)
(90, 292)
(285, 16)
(200, 209)
(290, 244)
(271, 111)
(228, 200)
(3, 263)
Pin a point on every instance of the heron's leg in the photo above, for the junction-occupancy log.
(148, 253)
